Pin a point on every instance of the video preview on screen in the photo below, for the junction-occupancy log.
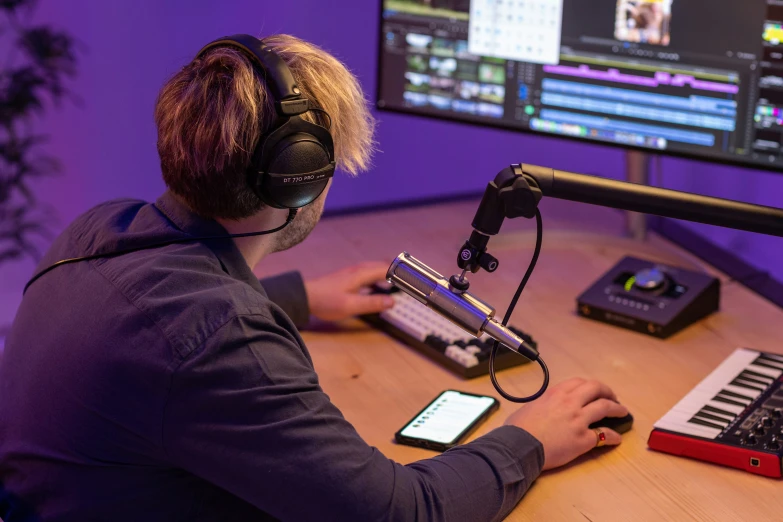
(694, 77)
(643, 21)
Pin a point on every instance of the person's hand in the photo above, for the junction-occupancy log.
(560, 419)
(338, 296)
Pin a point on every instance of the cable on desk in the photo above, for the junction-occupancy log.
(511, 306)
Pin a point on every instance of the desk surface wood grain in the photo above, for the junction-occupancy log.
(379, 384)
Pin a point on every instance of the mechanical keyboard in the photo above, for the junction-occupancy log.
(733, 417)
(436, 337)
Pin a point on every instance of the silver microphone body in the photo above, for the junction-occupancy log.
(461, 308)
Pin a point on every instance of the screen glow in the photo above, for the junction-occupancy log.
(447, 416)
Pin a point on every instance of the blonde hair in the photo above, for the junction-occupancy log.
(212, 113)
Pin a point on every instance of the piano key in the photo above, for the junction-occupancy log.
(750, 374)
(700, 396)
(770, 361)
(766, 364)
(725, 400)
(717, 422)
(774, 356)
(736, 410)
(697, 420)
(719, 411)
(746, 385)
(769, 372)
(680, 424)
(739, 396)
(693, 406)
(717, 419)
(751, 393)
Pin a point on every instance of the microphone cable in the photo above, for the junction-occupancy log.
(496, 344)
(291, 215)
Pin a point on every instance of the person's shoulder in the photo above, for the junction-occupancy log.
(117, 208)
(91, 231)
(184, 289)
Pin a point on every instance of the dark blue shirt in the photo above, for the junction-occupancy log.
(168, 384)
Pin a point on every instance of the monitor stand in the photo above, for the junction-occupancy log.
(637, 170)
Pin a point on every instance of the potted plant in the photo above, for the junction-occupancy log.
(35, 63)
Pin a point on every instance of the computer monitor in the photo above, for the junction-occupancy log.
(698, 78)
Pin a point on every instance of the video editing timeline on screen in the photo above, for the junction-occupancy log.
(696, 77)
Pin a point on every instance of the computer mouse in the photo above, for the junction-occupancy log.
(618, 424)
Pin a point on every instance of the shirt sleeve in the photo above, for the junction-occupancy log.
(287, 291)
(246, 413)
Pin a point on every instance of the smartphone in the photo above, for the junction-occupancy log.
(447, 420)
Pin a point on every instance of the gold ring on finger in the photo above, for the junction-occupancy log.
(600, 437)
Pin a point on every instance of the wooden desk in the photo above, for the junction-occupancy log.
(380, 384)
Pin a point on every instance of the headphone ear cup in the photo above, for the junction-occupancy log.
(289, 158)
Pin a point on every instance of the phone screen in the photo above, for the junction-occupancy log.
(448, 416)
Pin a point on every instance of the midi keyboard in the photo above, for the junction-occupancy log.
(733, 417)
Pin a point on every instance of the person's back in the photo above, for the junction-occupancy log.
(168, 384)
(90, 360)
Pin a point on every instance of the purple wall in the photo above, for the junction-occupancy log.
(762, 188)
(108, 143)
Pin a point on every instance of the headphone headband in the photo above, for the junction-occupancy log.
(287, 95)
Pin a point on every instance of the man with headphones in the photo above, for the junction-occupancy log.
(150, 376)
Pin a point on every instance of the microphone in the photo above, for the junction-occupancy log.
(461, 308)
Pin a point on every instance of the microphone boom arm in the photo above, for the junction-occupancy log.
(517, 190)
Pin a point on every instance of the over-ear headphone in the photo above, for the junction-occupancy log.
(294, 159)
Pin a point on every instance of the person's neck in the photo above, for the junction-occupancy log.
(255, 248)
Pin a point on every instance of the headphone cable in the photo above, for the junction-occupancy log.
(291, 215)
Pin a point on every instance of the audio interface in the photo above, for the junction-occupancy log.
(651, 298)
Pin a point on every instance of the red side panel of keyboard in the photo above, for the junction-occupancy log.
(768, 465)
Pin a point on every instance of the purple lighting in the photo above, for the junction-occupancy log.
(661, 78)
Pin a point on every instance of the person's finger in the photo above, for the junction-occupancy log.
(589, 391)
(612, 437)
(601, 408)
(366, 274)
(356, 304)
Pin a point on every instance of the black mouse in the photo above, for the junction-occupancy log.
(618, 424)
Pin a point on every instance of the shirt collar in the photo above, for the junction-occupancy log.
(224, 248)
